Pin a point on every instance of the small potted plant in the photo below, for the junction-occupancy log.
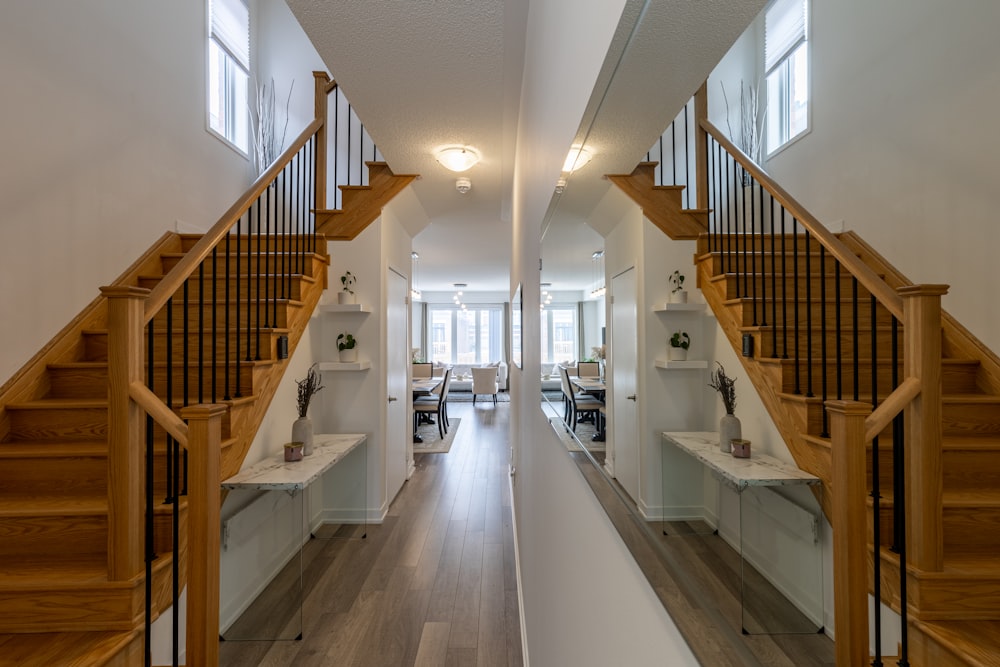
(679, 344)
(678, 294)
(729, 426)
(348, 348)
(346, 294)
(302, 431)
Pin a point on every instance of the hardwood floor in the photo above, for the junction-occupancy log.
(433, 585)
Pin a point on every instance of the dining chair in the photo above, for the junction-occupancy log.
(588, 369)
(484, 381)
(579, 404)
(436, 404)
(422, 370)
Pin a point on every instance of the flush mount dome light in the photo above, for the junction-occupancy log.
(458, 158)
(578, 156)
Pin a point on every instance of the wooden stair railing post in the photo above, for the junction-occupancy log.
(126, 430)
(701, 146)
(321, 82)
(204, 465)
(849, 520)
(922, 334)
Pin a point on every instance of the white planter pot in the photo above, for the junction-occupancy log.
(349, 356)
(345, 297)
(677, 353)
(680, 296)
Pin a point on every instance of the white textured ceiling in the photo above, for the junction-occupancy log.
(426, 73)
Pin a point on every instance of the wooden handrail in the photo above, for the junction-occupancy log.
(173, 281)
(865, 275)
(159, 411)
(893, 404)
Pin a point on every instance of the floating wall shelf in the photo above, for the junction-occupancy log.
(672, 364)
(679, 307)
(345, 366)
(344, 308)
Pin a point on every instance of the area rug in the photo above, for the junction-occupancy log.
(433, 444)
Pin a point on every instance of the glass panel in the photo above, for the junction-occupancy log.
(441, 344)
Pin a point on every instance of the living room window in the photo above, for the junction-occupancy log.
(229, 71)
(473, 335)
(786, 66)
(559, 334)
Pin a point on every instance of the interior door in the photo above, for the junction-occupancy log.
(624, 360)
(397, 454)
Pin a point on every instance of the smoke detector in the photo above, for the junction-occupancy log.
(463, 185)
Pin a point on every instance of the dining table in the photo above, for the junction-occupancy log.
(424, 387)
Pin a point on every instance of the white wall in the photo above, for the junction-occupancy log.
(902, 146)
(105, 149)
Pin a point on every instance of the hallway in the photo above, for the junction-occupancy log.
(435, 584)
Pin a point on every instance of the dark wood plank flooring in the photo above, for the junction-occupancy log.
(434, 584)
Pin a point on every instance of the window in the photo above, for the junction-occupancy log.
(786, 65)
(466, 336)
(229, 71)
(559, 329)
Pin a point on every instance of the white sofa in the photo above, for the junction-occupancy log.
(553, 383)
(465, 371)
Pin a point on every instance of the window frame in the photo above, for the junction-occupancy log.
(547, 353)
(231, 106)
(784, 63)
(494, 311)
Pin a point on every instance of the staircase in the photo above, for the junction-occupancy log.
(812, 343)
(55, 595)
(198, 320)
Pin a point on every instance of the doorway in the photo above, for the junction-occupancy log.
(624, 357)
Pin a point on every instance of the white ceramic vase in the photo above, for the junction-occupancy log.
(678, 353)
(729, 429)
(345, 297)
(302, 431)
(680, 296)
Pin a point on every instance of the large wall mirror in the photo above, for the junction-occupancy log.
(649, 76)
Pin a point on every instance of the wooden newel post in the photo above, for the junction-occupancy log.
(924, 468)
(204, 466)
(322, 82)
(850, 527)
(126, 431)
(701, 146)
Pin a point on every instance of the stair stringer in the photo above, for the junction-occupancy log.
(661, 204)
(362, 204)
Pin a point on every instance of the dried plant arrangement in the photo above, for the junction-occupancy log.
(307, 389)
(724, 384)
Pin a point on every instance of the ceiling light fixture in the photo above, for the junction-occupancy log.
(458, 158)
(578, 156)
(415, 294)
(560, 186)
(463, 185)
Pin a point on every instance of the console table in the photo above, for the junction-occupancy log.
(746, 477)
(274, 474)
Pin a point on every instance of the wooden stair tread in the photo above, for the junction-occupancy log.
(46, 572)
(978, 642)
(60, 403)
(29, 506)
(984, 399)
(70, 649)
(53, 448)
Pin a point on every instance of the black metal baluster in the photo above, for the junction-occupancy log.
(774, 280)
(215, 322)
(795, 296)
(169, 393)
(824, 357)
(336, 142)
(312, 198)
(876, 501)
(784, 291)
(687, 161)
(809, 339)
(736, 230)
(201, 332)
(899, 503)
(857, 338)
(150, 499)
(754, 278)
(673, 149)
(838, 323)
(185, 346)
(239, 280)
(249, 277)
(257, 270)
(268, 318)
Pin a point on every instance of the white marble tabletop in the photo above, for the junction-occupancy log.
(276, 474)
(759, 470)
